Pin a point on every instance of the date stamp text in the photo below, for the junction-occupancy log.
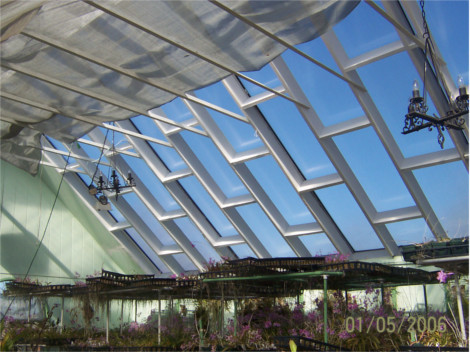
(393, 324)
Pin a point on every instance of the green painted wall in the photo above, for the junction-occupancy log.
(74, 242)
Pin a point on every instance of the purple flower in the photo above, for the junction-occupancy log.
(442, 276)
(267, 324)
(353, 306)
(134, 326)
(9, 319)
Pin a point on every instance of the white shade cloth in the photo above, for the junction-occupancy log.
(63, 60)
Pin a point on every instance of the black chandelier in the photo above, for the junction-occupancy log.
(416, 119)
(112, 184)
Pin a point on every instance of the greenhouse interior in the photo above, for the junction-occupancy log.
(229, 175)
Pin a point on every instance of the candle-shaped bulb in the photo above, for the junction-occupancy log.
(461, 85)
(415, 89)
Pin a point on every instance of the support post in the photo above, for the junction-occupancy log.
(122, 316)
(325, 308)
(425, 299)
(460, 308)
(222, 306)
(201, 334)
(235, 317)
(61, 325)
(29, 309)
(382, 293)
(159, 320)
(107, 320)
(135, 312)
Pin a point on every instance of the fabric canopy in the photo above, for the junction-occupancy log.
(67, 66)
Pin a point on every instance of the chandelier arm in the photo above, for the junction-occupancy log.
(429, 118)
(418, 128)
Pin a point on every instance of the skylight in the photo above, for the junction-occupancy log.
(303, 157)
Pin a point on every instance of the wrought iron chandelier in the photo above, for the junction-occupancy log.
(416, 119)
(112, 183)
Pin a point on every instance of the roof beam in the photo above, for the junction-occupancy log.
(289, 168)
(389, 143)
(144, 194)
(177, 191)
(335, 156)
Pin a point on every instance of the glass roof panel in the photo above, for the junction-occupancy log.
(389, 84)
(147, 250)
(241, 135)
(449, 21)
(243, 251)
(207, 205)
(348, 216)
(446, 187)
(265, 76)
(216, 164)
(176, 110)
(410, 232)
(147, 126)
(281, 192)
(356, 35)
(184, 261)
(322, 88)
(218, 95)
(373, 168)
(169, 156)
(153, 184)
(197, 239)
(318, 244)
(297, 138)
(265, 230)
(148, 218)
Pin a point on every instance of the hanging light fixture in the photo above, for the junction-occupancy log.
(112, 183)
(416, 119)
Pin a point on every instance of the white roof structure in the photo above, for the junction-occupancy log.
(252, 128)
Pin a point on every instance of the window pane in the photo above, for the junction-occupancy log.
(215, 163)
(207, 205)
(279, 190)
(446, 187)
(318, 244)
(265, 230)
(374, 169)
(349, 217)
